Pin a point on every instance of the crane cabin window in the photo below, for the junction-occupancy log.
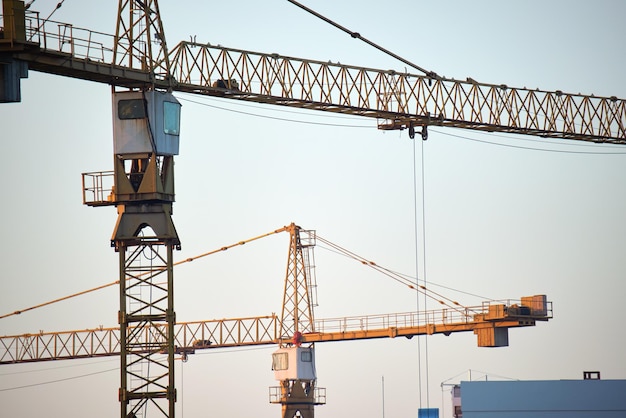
(306, 356)
(280, 361)
(131, 109)
(171, 118)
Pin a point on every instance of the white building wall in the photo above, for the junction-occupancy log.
(544, 399)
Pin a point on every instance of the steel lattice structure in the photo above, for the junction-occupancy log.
(261, 330)
(398, 99)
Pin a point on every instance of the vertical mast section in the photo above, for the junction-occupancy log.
(297, 311)
(294, 365)
(140, 38)
(146, 138)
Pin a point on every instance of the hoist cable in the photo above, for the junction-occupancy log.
(423, 222)
(417, 272)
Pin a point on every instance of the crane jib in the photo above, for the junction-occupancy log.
(398, 100)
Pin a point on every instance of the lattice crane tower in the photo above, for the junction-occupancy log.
(146, 129)
(293, 363)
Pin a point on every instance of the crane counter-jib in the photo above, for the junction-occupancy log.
(399, 100)
(487, 321)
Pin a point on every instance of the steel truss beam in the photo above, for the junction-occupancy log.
(402, 99)
(399, 99)
(297, 309)
(262, 330)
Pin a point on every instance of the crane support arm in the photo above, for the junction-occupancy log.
(399, 100)
(488, 322)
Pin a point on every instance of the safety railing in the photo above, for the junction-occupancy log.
(66, 38)
(319, 395)
(447, 316)
(98, 188)
(396, 320)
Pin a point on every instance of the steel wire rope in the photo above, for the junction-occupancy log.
(59, 380)
(187, 260)
(67, 366)
(571, 143)
(417, 270)
(452, 304)
(357, 35)
(423, 242)
(399, 278)
(105, 371)
(277, 118)
(409, 279)
(78, 376)
(274, 108)
(531, 148)
(57, 7)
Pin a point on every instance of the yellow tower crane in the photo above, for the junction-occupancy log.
(144, 73)
(295, 331)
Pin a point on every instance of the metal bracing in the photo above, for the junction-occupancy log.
(297, 311)
(399, 99)
(140, 39)
(146, 329)
(262, 330)
(297, 396)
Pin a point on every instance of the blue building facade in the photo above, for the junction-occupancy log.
(593, 398)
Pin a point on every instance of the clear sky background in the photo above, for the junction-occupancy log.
(505, 216)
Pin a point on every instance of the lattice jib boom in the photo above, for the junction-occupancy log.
(401, 99)
(262, 330)
(398, 99)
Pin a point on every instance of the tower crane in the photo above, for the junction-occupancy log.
(296, 330)
(144, 72)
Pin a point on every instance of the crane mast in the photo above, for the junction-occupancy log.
(146, 129)
(140, 39)
(293, 364)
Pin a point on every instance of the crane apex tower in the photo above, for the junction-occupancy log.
(146, 122)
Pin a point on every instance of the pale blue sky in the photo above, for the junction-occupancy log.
(501, 221)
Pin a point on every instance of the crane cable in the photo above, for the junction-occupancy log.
(357, 35)
(463, 310)
(187, 260)
(423, 224)
(420, 289)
